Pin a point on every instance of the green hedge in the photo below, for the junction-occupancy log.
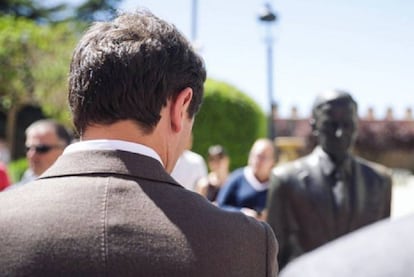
(230, 118)
(16, 169)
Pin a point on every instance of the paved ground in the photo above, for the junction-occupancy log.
(402, 195)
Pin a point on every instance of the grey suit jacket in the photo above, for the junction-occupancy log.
(115, 213)
(383, 249)
(301, 205)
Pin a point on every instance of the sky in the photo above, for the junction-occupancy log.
(362, 46)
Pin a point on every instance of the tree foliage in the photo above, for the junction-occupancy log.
(96, 10)
(36, 42)
(36, 10)
(30, 9)
(35, 61)
(230, 118)
(35, 57)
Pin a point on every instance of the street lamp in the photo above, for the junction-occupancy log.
(194, 26)
(268, 17)
(194, 19)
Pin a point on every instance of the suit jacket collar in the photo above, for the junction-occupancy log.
(328, 166)
(116, 162)
(318, 184)
(361, 182)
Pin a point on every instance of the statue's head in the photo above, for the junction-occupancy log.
(334, 122)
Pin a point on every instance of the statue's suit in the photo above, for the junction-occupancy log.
(300, 204)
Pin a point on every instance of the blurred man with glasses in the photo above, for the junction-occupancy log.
(45, 142)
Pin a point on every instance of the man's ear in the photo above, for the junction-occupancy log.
(179, 109)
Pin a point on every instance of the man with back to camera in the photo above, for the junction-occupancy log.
(330, 192)
(108, 206)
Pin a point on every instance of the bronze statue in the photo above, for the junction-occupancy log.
(329, 192)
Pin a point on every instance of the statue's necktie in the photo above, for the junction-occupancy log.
(339, 189)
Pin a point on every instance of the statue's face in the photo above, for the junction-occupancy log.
(336, 128)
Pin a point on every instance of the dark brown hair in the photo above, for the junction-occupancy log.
(129, 69)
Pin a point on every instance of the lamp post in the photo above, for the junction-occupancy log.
(194, 22)
(268, 17)
(194, 26)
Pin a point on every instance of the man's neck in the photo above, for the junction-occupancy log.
(125, 130)
(122, 130)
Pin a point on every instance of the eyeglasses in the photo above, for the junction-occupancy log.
(42, 148)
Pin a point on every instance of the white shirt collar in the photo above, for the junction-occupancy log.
(109, 144)
(252, 180)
